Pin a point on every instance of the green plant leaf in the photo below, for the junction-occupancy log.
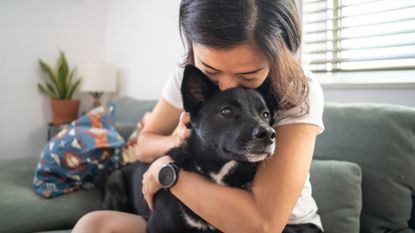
(63, 73)
(53, 90)
(72, 89)
(61, 85)
(70, 77)
(46, 91)
(50, 74)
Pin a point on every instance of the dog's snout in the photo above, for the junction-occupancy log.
(260, 133)
(264, 133)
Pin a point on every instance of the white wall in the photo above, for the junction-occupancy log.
(30, 30)
(143, 40)
(389, 95)
(391, 87)
(140, 37)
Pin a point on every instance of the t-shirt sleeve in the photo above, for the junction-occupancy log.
(315, 108)
(171, 90)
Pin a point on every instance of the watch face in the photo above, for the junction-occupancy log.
(167, 176)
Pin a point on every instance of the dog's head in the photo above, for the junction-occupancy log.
(232, 124)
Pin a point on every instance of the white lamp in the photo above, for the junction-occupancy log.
(97, 78)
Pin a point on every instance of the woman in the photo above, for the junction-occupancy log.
(237, 43)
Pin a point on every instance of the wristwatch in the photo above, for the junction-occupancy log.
(168, 175)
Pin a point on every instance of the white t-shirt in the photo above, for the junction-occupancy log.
(305, 210)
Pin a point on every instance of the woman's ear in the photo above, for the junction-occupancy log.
(196, 89)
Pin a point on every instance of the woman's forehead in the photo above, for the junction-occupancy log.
(239, 59)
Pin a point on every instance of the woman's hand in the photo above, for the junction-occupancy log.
(150, 179)
(182, 132)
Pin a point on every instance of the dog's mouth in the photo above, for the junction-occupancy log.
(251, 156)
(257, 157)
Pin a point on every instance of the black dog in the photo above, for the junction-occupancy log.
(231, 135)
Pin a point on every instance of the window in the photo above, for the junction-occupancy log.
(358, 35)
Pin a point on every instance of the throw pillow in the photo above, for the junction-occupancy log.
(129, 150)
(76, 157)
(338, 194)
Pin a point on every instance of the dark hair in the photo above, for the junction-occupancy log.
(273, 25)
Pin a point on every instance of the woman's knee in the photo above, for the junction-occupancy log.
(107, 221)
(92, 222)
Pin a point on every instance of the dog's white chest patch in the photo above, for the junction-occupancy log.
(197, 224)
(218, 177)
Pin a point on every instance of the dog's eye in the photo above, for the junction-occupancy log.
(265, 115)
(226, 111)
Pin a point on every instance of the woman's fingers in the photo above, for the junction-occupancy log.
(148, 194)
(150, 182)
(150, 187)
(185, 118)
(185, 121)
(182, 132)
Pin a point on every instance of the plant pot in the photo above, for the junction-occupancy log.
(64, 111)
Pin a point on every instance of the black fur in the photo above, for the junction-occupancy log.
(226, 126)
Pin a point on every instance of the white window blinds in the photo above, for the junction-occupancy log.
(358, 35)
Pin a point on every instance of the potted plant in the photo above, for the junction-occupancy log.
(60, 87)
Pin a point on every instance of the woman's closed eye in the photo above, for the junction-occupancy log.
(249, 79)
(212, 73)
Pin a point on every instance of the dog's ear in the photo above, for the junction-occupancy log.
(196, 88)
(270, 97)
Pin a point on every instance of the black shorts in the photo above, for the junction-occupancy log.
(301, 228)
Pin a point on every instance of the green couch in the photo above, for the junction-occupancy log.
(363, 174)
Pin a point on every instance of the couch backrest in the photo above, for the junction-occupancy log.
(381, 139)
(128, 111)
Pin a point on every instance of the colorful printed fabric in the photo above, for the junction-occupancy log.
(73, 159)
(129, 154)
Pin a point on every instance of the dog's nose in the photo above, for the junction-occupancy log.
(266, 134)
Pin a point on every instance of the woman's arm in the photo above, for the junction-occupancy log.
(156, 139)
(276, 187)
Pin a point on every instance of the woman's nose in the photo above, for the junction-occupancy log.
(227, 82)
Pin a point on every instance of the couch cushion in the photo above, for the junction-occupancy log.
(128, 111)
(381, 139)
(24, 211)
(338, 194)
